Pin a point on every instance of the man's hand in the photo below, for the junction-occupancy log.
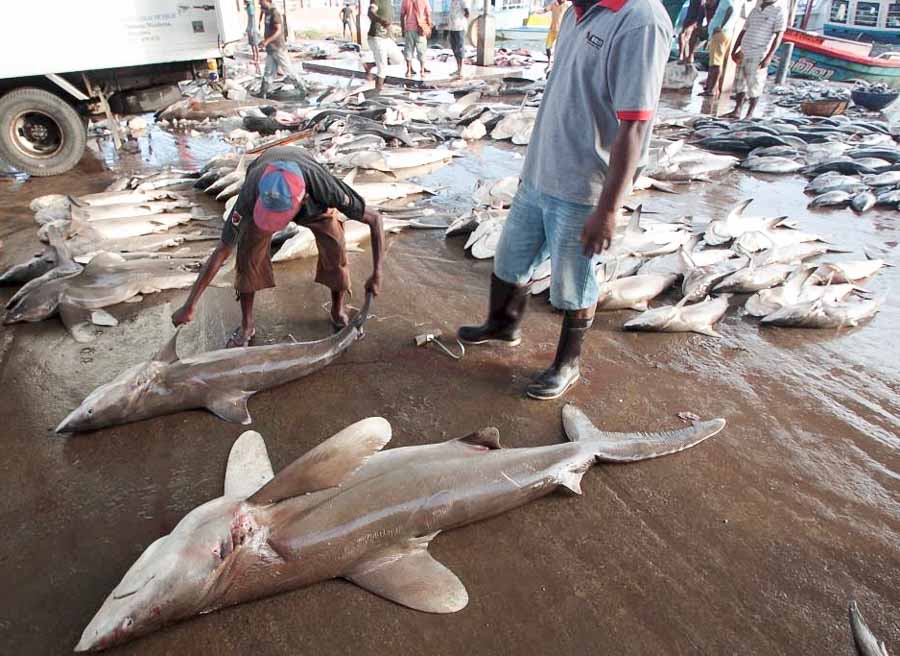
(598, 232)
(373, 284)
(737, 56)
(183, 315)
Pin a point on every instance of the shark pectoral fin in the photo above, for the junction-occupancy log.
(414, 579)
(77, 321)
(230, 406)
(103, 260)
(709, 331)
(488, 438)
(330, 463)
(249, 467)
(640, 306)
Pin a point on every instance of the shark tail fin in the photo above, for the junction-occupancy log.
(329, 464)
(631, 447)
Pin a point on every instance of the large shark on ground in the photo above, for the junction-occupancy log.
(347, 509)
(221, 381)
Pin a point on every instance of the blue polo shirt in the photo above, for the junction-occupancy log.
(608, 66)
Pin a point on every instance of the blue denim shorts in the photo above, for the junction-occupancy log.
(541, 226)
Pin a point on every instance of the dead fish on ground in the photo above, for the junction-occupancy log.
(798, 288)
(831, 199)
(128, 210)
(888, 179)
(496, 193)
(823, 313)
(863, 201)
(130, 197)
(303, 243)
(347, 509)
(682, 318)
(394, 160)
(79, 295)
(754, 277)
(735, 224)
(675, 264)
(854, 271)
(699, 280)
(482, 242)
(514, 123)
(633, 292)
(221, 381)
(771, 164)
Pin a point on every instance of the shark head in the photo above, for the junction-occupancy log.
(128, 397)
(36, 303)
(175, 576)
(124, 396)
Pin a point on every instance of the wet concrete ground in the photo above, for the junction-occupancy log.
(751, 543)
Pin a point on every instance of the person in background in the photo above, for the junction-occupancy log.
(720, 29)
(347, 20)
(415, 17)
(556, 8)
(753, 52)
(457, 24)
(252, 32)
(690, 31)
(591, 135)
(381, 13)
(274, 42)
(283, 185)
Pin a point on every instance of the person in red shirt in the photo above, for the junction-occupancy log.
(415, 18)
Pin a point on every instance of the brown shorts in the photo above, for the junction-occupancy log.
(253, 267)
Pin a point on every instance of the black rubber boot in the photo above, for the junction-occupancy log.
(552, 383)
(507, 307)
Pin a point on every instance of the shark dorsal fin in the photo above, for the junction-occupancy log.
(102, 260)
(738, 211)
(634, 223)
(57, 241)
(169, 352)
(485, 437)
(248, 466)
(329, 464)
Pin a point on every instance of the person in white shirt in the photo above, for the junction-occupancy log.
(753, 52)
(457, 24)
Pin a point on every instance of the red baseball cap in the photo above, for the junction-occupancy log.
(280, 193)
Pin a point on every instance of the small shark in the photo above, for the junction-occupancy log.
(221, 381)
(348, 510)
(864, 640)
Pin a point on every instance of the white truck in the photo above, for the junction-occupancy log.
(61, 60)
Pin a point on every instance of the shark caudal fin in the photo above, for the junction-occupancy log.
(330, 463)
(630, 447)
(249, 467)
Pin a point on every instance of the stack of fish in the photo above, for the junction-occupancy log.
(803, 91)
(766, 257)
(484, 223)
(852, 162)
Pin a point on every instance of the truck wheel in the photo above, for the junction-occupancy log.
(40, 133)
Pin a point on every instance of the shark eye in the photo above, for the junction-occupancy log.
(127, 622)
(90, 411)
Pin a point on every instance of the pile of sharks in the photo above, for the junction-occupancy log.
(768, 260)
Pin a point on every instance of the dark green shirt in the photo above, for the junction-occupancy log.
(384, 9)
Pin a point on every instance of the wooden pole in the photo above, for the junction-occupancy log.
(807, 14)
(359, 22)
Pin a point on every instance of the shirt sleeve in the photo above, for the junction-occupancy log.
(635, 70)
(347, 201)
(781, 23)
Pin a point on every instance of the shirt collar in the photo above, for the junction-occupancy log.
(613, 5)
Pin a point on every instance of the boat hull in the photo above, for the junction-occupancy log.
(814, 58)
